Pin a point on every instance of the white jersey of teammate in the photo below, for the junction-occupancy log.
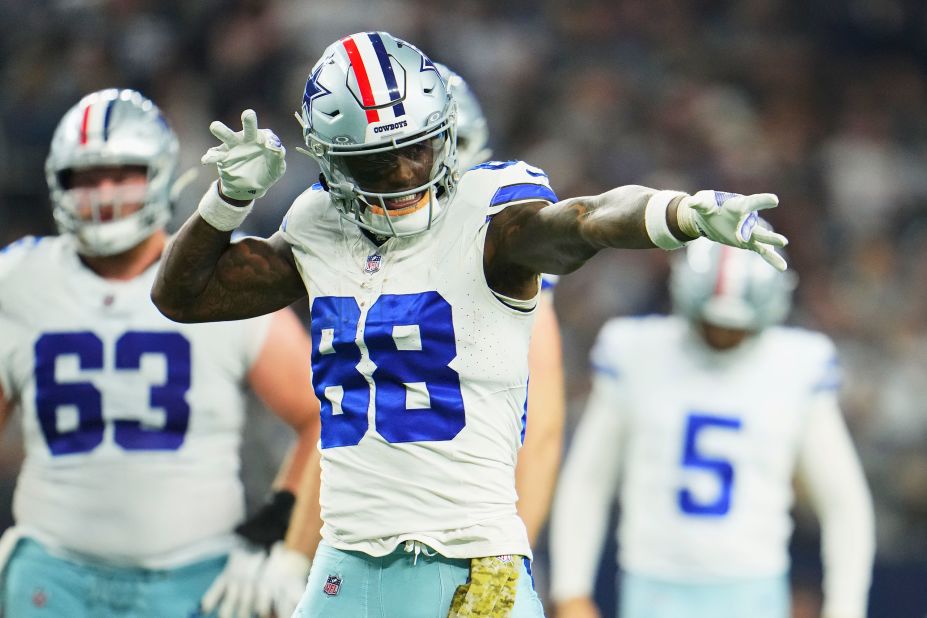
(707, 445)
(131, 422)
(421, 371)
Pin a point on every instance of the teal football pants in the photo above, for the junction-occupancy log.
(647, 597)
(39, 585)
(398, 585)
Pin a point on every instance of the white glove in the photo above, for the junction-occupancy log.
(282, 582)
(250, 161)
(732, 219)
(233, 592)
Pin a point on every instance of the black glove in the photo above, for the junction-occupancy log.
(269, 524)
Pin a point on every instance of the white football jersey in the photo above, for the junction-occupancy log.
(706, 442)
(131, 422)
(422, 373)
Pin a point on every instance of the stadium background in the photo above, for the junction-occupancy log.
(822, 102)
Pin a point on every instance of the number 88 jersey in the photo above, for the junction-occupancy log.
(131, 422)
(421, 371)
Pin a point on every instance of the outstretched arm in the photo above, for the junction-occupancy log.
(528, 238)
(830, 470)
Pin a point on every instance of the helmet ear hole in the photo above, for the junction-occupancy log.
(64, 178)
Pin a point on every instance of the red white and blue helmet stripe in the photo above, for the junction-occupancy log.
(376, 79)
(95, 121)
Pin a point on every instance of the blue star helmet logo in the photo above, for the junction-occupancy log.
(314, 90)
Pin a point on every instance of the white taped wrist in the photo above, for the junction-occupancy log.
(655, 220)
(219, 213)
(685, 218)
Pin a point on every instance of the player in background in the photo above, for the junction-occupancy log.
(700, 420)
(283, 580)
(423, 285)
(129, 496)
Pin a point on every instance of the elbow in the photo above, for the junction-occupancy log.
(172, 311)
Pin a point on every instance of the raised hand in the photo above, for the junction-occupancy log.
(249, 161)
(733, 219)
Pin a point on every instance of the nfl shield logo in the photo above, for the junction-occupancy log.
(373, 263)
(332, 585)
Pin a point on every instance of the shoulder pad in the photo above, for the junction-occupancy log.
(515, 182)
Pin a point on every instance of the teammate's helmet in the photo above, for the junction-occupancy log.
(377, 117)
(472, 128)
(112, 128)
(728, 287)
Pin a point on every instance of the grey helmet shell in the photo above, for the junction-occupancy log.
(373, 93)
(729, 287)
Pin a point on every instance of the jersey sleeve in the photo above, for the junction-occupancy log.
(14, 255)
(548, 283)
(827, 376)
(255, 336)
(515, 182)
(589, 477)
(300, 215)
(13, 363)
(829, 468)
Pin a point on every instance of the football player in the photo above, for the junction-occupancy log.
(423, 287)
(129, 495)
(283, 579)
(704, 417)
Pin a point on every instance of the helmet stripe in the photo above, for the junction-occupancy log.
(387, 67)
(83, 125)
(106, 117)
(360, 72)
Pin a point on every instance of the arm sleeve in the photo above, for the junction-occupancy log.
(587, 487)
(831, 472)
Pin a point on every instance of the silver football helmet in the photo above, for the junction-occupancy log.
(728, 287)
(472, 128)
(111, 128)
(378, 119)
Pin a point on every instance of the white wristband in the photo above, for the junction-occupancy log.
(220, 214)
(655, 220)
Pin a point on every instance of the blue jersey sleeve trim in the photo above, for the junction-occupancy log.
(547, 282)
(522, 191)
(24, 243)
(831, 379)
(606, 370)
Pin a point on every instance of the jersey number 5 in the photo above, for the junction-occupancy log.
(410, 339)
(86, 433)
(699, 423)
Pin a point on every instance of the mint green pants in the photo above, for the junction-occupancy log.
(647, 597)
(355, 585)
(39, 585)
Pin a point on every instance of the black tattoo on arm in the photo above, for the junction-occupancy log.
(203, 277)
(526, 239)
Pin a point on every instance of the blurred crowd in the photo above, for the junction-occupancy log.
(823, 103)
